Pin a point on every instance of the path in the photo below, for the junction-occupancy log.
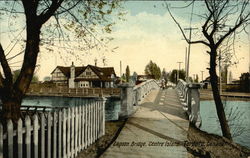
(158, 123)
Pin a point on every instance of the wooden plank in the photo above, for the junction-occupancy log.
(91, 122)
(94, 121)
(76, 130)
(28, 137)
(64, 133)
(89, 125)
(10, 138)
(72, 130)
(1, 140)
(103, 115)
(80, 129)
(83, 126)
(54, 134)
(98, 118)
(42, 126)
(49, 136)
(35, 135)
(60, 134)
(20, 138)
(68, 131)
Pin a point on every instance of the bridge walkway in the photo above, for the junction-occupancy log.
(157, 129)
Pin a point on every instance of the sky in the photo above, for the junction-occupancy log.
(148, 33)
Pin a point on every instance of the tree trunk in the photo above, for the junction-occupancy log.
(216, 94)
(11, 105)
(13, 94)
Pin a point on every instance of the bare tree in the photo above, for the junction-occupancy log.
(80, 17)
(222, 19)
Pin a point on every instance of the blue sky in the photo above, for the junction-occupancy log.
(148, 33)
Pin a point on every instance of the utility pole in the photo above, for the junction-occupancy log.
(120, 68)
(178, 73)
(189, 45)
(202, 75)
(189, 48)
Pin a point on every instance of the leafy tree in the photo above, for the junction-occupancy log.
(152, 69)
(68, 20)
(127, 74)
(222, 20)
(17, 72)
(173, 75)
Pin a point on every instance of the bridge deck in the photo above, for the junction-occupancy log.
(157, 129)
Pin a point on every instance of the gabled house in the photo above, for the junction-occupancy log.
(84, 77)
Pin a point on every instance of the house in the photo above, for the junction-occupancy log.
(84, 76)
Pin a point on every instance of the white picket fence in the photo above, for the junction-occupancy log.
(59, 134)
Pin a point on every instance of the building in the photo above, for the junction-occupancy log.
(84, 76)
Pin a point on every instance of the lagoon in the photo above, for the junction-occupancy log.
(238, 114)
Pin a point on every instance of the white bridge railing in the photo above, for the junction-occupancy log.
(62, 133)
(190, 98)
(141, 90)
(133, 95)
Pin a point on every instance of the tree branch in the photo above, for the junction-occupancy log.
(187, 40)
(54, 6)
(241, 21)
(6, 67)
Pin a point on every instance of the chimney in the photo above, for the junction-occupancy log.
(72, 70)
(95, 62)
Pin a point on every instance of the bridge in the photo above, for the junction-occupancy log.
(157, 121)
(159, 126)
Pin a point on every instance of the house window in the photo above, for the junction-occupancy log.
(88, 73)
(83, 84)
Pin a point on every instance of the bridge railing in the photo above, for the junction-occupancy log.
(190, 98)
(141, 90)
(64, 91)
(61, 133)
(133, 95)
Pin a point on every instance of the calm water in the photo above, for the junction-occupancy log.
(112, 106)
(238, 113)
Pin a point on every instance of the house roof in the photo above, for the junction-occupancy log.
(104, 73)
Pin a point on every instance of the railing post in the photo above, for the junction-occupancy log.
(194, 105)
(126, 100)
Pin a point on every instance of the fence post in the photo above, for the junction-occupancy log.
(76, 130)
(64, 133)
(28, 136)
(72, 132)
(49, 135)
(59, 134)
(83, 126)
(35, 135)
(80, 128)
(10, 138)
(20, 137)
(68, 132)
(42, 126)
(54, 134)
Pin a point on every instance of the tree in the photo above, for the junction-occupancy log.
(127, 74)
(222, 19)
(17, 72)
(152, 69)
(78, 17)
(173, 75)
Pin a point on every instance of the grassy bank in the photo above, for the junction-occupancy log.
(112, 130)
